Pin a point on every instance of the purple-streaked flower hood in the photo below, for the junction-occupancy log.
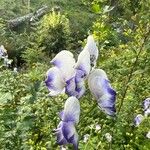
(103, 92)
(54, 81)
(66, 131)
(65, 61)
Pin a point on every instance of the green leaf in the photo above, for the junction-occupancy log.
(96, 8)
(4, 97)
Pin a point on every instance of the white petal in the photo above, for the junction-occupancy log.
(72, 110)
(54, 81)
(83, 62)
(96, 82)
(92, 48)
(65, 61)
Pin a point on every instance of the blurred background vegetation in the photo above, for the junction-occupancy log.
(34, 31)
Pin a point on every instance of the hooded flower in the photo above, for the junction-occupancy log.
(65, 61)
(93, 50)
(66, 131)
(101, 89)
(138, 119)
(54, 81)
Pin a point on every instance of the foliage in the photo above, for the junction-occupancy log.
(28, 115)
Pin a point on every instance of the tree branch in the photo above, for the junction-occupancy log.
(29, 17)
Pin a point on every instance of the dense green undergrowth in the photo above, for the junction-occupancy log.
(28, 115)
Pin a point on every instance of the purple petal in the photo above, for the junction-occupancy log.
(56, 63)
(70, 134)
(60, 136)
(66, 133)
(80, 75)
(75, 88)
(80, 89)
(70, 87)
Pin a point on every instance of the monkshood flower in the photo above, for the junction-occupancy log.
(146, 103)
(108, 137)
(93, 50)
(103, 92)
(66, 131)
(138, 119)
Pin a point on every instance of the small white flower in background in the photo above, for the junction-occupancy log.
(7, 62)
(148, 135)
(3, 52)
(108, 137)
(86, 137)
(97, 127)
(147, 112)
(15, 70)
(62, 148)
(138, 119)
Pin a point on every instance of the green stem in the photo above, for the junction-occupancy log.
(131, 72)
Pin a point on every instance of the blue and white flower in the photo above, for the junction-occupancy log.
(103, 92)
(138, 119)
(66, 131)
